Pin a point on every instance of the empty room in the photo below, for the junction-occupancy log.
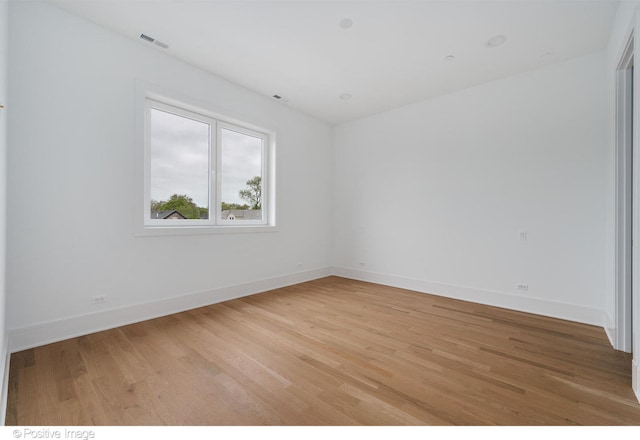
(319, 213)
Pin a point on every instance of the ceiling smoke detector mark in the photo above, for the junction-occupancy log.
(496, 41)
(154, 41)
(345, 96)
(346, 23)
(449, 58)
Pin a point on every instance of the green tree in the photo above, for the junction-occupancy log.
(229, 206)
(253, 194)
(181, 203)
(156, 204)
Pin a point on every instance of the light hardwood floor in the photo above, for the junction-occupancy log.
(329, 352)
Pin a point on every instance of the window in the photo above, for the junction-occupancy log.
(202, 173)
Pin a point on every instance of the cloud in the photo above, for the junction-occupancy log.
(241, 161)
(180, 159)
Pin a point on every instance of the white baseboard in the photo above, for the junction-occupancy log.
(610, 330)
(5, 358)
(53, 331)
(635, 378)
(570, 312)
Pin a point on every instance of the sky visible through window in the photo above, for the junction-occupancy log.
(241, 161)
(180, 159)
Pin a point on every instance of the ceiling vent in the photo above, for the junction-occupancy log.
(161, 44)
(280, 98)
(154, 41)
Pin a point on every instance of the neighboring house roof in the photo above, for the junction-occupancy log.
(242, 214)
(173, 214)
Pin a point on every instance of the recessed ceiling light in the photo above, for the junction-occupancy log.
(449, 58)
(346, 23)
(496, 41)
(345, 96)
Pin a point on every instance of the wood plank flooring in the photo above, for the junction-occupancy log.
(329, 352)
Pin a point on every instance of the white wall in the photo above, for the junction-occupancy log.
(4, 63)
(71, 195)
(432, 196)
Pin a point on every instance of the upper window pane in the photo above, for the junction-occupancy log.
(179, 148)
(241, 180)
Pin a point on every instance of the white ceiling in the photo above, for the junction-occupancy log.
(393, 54)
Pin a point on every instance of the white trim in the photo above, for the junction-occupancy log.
(6, 355)
(48, 332)
(553, 309)
(610, 330)
(182, 105)
(624, 181)
(53, 331)
(635, 377)
(200, 230)
(5, 389)
(264, 153)
(635, 300)
(151, 106)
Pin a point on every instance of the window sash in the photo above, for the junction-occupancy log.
(263, 151)
(214, 173)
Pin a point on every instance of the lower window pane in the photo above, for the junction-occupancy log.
(179, 167)
(241, 179)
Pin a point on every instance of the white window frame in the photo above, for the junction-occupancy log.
(264, 182)
(149, 96)
(151, 104)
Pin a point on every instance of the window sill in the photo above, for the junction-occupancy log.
(154, 231)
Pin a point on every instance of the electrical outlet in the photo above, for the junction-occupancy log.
(522, 235)
(522, 286)
(98, 299)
